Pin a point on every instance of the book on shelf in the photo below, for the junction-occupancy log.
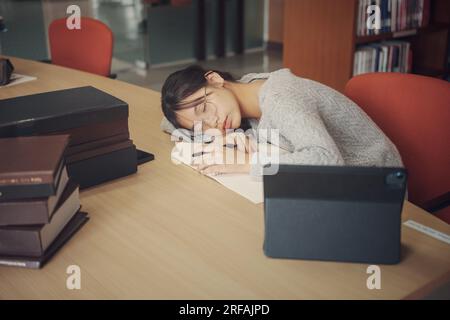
(395, 15)
(386, 56)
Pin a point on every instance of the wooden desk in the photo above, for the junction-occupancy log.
(168, 232)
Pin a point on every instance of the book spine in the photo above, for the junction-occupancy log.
(20, 242)
(389, 68)
(407, 49)
(96, 143)
(397, 58)
(30, 191)
(33, 211)
(373, 60)
(380, 60)
(21, 213)
(384, 6)
(406, 14)
(95, 132)
(389, 15)
(93, 171)
(358, 19)
(393, 15)
(377, 3)
(410, 61)
(99, 151)
(62, 122)
(366, 30)
(360, 58)
(14, 192)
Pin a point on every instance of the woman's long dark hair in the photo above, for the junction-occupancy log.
(180, 85)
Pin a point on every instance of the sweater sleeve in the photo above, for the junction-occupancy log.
(312, 143)
(300, 123)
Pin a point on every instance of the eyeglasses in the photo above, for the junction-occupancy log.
(205, 112)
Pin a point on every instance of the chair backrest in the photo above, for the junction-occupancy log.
(414, 112)
(88, 49)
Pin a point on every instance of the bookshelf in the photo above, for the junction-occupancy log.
(320, 40)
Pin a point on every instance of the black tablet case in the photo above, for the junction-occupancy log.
(350, 214)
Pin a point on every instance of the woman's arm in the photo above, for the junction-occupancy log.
(301, 124)
(312, 143)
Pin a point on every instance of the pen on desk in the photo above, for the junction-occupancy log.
(200, 153)
(196, 154)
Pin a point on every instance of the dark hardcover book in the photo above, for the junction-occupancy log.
(58, 110)
(32, 211)
(94, 132)
(73, 149)
(30, 166)
(33, 240)
(143, 156)
(78, 220)
(98, 151)
(385, 15)
(103, 168)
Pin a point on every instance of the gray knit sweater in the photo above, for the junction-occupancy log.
(318, 125)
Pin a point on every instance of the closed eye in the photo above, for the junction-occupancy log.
(200, 108)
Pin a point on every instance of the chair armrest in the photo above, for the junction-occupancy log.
(438, 203)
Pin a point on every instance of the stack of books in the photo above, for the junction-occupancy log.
(39, 203)
(100, 148)
(387, 56)
(395, 15)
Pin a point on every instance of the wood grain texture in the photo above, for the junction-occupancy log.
(168, 232)
(276, 17)
(319, 40)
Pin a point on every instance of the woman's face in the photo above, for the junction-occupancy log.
(221, 110)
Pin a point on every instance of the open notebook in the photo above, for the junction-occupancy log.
(246, 185)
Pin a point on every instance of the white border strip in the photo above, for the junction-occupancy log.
(428, 231)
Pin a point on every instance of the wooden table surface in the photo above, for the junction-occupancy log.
(168, 232)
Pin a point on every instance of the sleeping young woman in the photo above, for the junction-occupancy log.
(316, 124)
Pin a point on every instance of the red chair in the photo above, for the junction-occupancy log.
(414, 112)
(89, 48)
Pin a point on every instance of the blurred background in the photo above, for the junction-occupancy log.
(317, 39)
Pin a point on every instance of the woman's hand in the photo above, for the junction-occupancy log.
(238, 139)
(229, 154)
